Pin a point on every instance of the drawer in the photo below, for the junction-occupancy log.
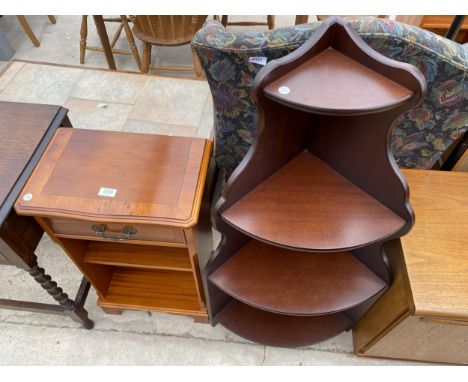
(116, 231)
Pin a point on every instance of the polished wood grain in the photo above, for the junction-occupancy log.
(120, 161)
(328, 164)
(344, 79)
(20, 142)
(145, 232)
(423, 316)
(280, 330)
(135, 256)
(296, 283)
(166, 291)
(159, 182)
(302, 213)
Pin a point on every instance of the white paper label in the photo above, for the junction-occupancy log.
(258, 60)
(283, 90)
(107, 192)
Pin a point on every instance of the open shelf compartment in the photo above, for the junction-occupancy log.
(156, 290)
(307, 205)
(296, 283)
(279, 330)
(138, 256)
(333, 83)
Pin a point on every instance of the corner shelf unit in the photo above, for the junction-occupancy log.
(305, 217)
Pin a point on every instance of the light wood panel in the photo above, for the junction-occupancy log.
(436, 250)
(307, 205)
(424, 314)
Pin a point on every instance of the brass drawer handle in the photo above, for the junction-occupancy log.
(127, 231)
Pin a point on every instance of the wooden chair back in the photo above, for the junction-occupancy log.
(167, 30)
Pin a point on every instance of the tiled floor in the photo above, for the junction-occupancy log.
(134, 103)
(60, 42)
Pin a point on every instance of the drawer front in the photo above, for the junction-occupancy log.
(117, 231)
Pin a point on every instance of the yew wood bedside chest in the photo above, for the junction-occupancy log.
(125, 207)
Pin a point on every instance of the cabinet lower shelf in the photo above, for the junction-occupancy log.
(155, 290)
(296, 283)
(280, 330)
(138, 256)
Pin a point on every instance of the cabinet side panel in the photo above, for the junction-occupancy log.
(425, 340)
(285, 137)
(391, 308)
(358, 148)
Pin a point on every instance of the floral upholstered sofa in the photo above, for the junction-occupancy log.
(420, 136)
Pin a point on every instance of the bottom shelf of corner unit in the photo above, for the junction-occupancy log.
(154, 290)
(278, 329)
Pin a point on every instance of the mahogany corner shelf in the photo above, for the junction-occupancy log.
(307, 215)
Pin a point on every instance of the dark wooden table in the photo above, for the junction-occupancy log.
(104, 38)
(25, 131)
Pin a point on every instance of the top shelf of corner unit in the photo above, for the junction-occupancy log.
(333, 83)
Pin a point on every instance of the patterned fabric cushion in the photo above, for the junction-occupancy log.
(420, 135)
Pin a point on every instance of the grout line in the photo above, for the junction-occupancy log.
(10, 64)
(100, 101)
(70, 66)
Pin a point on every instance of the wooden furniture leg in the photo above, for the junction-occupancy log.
(74, 309)
(102, 33)
(224, 20)
(301, 19)
(271, 22)
(131, 41)
(197, 64)
(83, 37)
(146, 59)
(25, 25)
(52, 19)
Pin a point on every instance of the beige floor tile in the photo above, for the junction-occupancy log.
(145, 127)
(206, 126)
(208, 105)
(41, 84)
(110, 87)
(10, 73)
(171, 101)
(86, 114)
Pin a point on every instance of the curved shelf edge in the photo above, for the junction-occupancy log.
(292, 210)
(337, 112)
(280, 330)
(310, 249)
(294, 283)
